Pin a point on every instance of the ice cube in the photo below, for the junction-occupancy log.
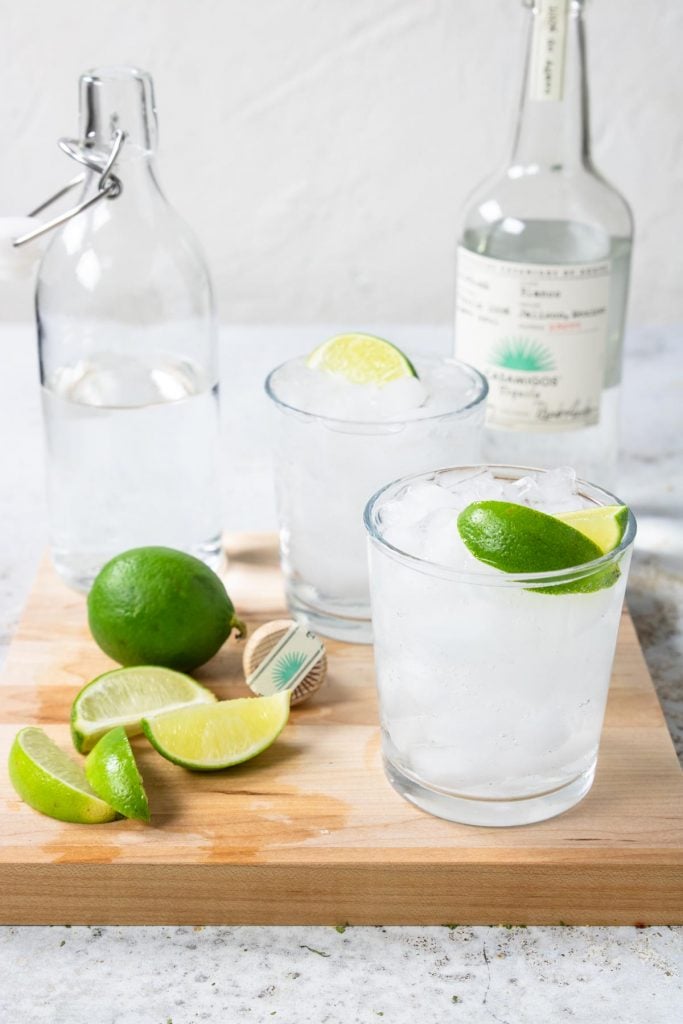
(415, 502)
(553, 491)
(481, 486)
(397, 397)
(442, 542)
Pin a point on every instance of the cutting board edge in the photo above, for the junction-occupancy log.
(354, 895)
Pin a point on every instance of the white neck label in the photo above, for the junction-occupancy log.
(548, 49)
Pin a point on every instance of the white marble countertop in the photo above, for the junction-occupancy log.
(316, 975)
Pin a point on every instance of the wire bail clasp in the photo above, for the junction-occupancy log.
(108, 187)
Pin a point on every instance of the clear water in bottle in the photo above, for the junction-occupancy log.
(132, 460)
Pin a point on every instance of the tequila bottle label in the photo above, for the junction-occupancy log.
(538, 331)
(548, 45)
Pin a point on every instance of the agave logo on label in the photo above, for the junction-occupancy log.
(287, 668)
(523, 354)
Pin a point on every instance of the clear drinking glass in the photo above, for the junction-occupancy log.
(491, 695)
(326, 469)
(128, 356)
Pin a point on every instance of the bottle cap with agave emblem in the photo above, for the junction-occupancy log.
(282, 655)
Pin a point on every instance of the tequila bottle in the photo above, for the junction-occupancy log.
(543, 268)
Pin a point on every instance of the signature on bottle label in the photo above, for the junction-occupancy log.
(538, 332)
(548, 46)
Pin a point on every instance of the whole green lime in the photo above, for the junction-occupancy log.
(159, 606)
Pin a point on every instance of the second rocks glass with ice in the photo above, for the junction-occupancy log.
(338, 436)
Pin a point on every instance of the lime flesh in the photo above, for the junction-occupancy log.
(604, 525)
(113, 774)
(213, 736)
(361, 359)
(124, 696)
(49, 781)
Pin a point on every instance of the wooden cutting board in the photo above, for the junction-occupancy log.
(311, 832)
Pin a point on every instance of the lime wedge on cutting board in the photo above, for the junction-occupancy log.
(113, 774)
(49, 781)
(362, 359)
(212, 736)
(125, 695)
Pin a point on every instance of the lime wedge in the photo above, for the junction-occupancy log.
(362, 359)
(214, 736)
(124, 696)
(113, 774)
(518, 539)
(604, 525)
(49, 781)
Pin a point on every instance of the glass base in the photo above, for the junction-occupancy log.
(334, 623)
(491, 813)
(79, 571)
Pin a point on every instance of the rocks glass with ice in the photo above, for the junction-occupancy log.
(335, 443)
(492, 686)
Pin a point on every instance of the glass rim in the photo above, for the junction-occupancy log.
(493, 578)
(478, 378)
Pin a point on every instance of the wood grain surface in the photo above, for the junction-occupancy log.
(310, 832)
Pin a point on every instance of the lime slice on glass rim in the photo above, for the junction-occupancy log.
(605, 525)
(124, 696)
(362, 359)
(213, 736)
(111, 770)
(49, 781)
(518, 539)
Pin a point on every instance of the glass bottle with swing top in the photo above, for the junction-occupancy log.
(127, 342)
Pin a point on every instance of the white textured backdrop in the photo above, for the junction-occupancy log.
(323, 148)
